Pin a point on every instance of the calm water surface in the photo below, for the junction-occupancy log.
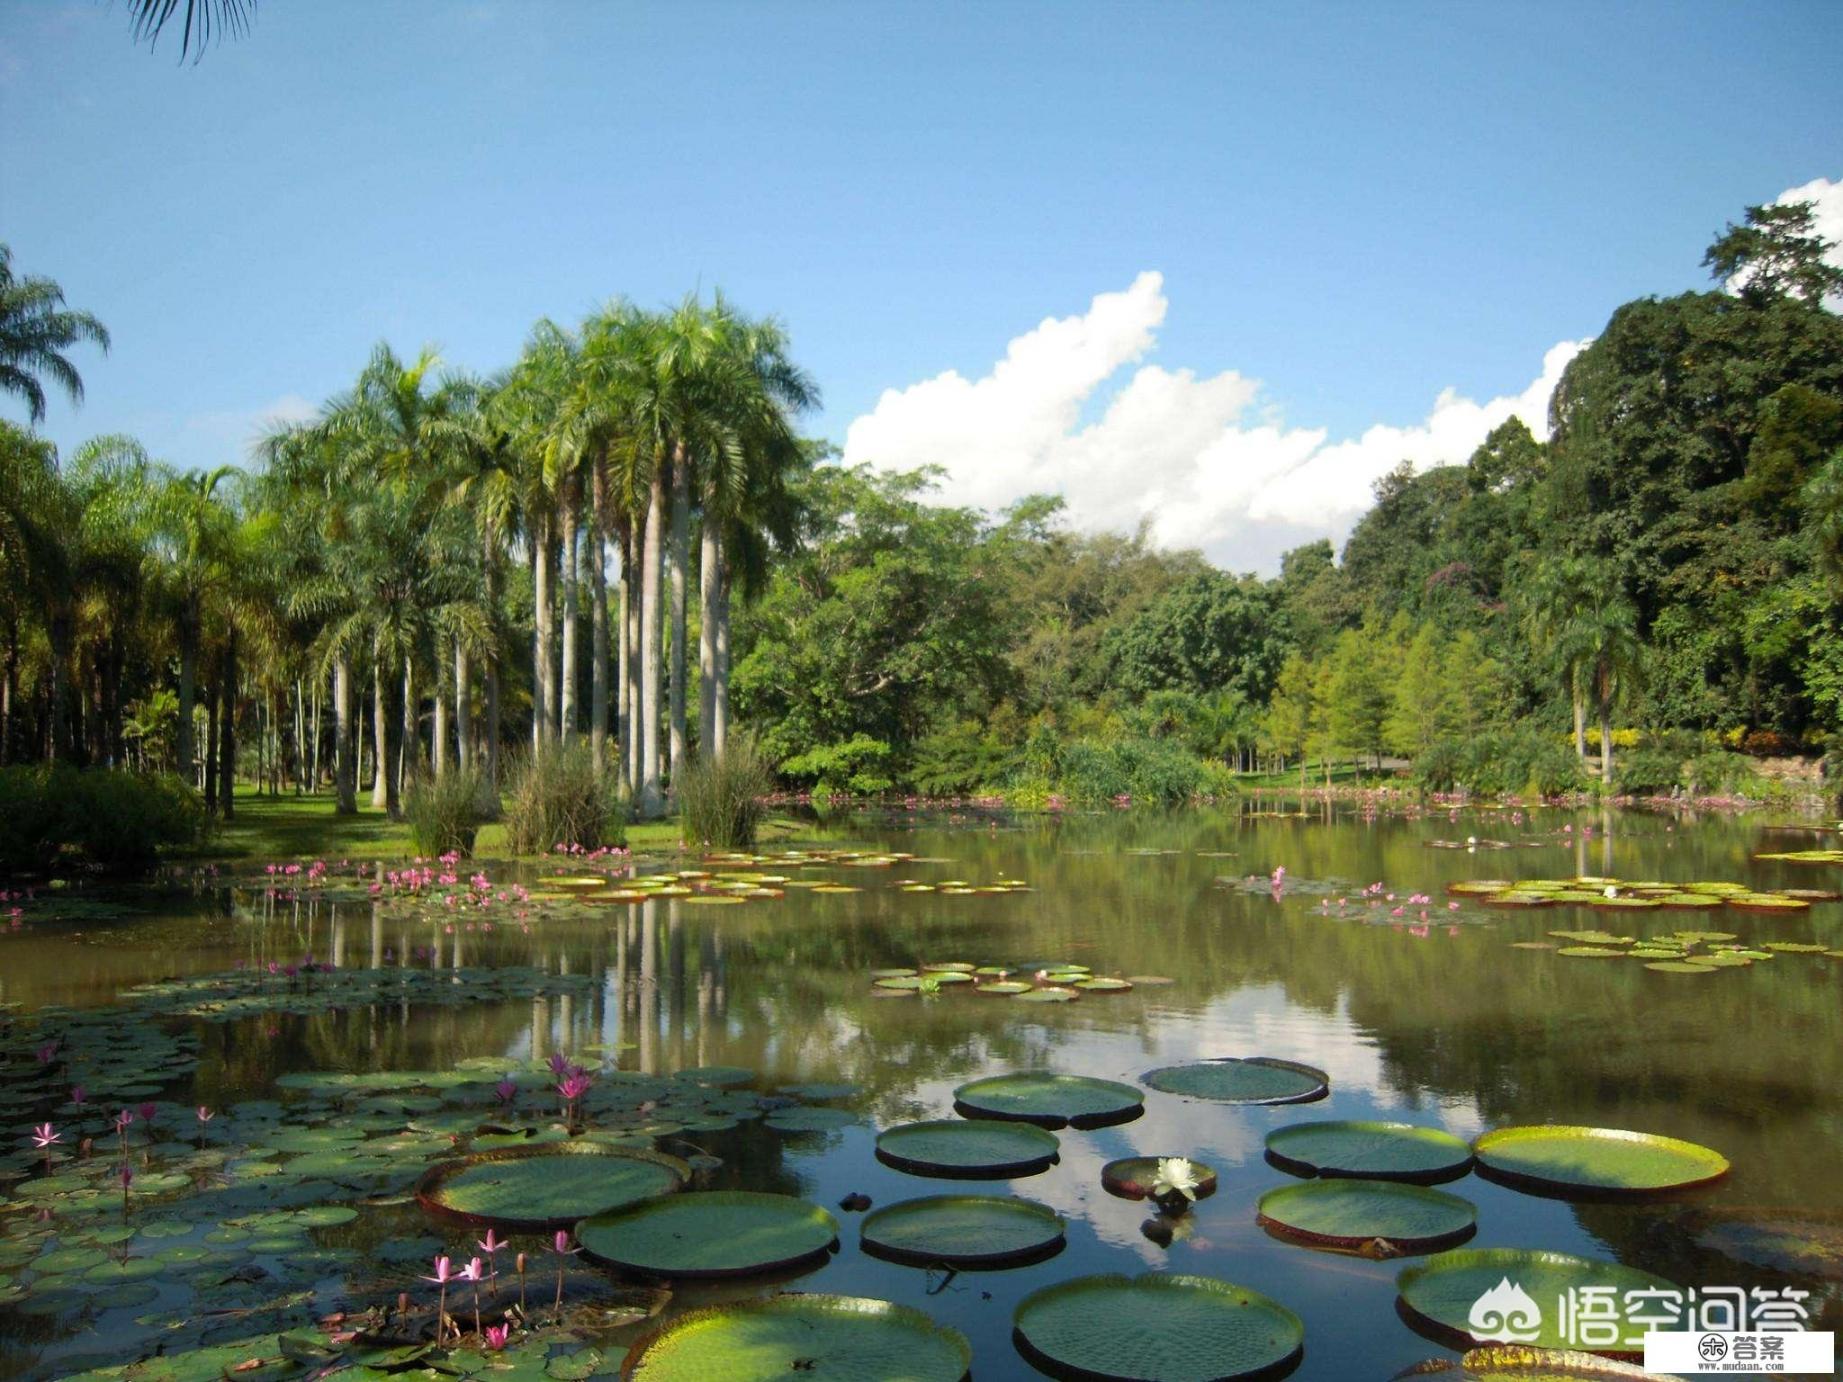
(1443, 1024)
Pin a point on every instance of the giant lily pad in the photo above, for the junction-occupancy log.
(841, 1338)
(1370, 1150)
(1051, 1100)
(1358, 1213)
(971, 1148)
(963, 1231)
(1475, 1294)
(1237, 1080)
(1518, 1363)
(1603, 1160)
(1169, 1327)
(552, 1186)
(709, 1233)
(1132, 1177)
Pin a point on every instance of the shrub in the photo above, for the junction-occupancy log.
(1649, 772)
(720, 799)
(1520, 761)
(102, 817)
(1150, 771)
(858, 766)
(1720, 773)
(558, 798)
(445, 811)
(1768, 743)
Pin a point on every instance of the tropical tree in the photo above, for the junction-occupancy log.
(35, 331)
(191, 542)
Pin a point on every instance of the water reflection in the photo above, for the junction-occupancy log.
(1443, 1024)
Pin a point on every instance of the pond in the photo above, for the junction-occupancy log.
(1419, 1006)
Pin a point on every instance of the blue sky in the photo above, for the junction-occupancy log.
(1349, 209)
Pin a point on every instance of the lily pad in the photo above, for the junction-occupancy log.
(963, 1230)
(710, 1233)
(1051, 1100)
(1048, 995)
(1604, 1160)
(1169, 1327)
(827, 1338)
(1238, 1080)
(1469, 1292)
(968, 1148)
(551, 1187)
(1370, 1150)
(1519, 1363)
(1132, 1177)
(1354, 1213)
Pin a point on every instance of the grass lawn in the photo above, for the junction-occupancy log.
(307, 827)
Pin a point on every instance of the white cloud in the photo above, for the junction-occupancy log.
(1207, 460)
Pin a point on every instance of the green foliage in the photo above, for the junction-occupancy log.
(858, 766)
(52, 815)
(444, 811)
(1515, 762)
(1153, 772)
(1213, 633)
(720, 799)
(1650, 772)
(556, 797)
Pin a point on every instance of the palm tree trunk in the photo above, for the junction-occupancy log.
(709, 564)
(623, 716)
(409, 750)
(380, 737)
(227, 730)
(463, 707)
(391, 754)
(345, 741)
(1606, 731)
(490, 708)
(57, 629)
(569, 558)
(1580, 716)
(542, 633)
(652, 610)
(635, 578)
(681, 561)
(720, 701)
(213, 700)
(598, 633)
(188, 684)
(438, 732)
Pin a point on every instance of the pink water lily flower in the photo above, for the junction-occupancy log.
(491, 1245)
(443, 1272)
(574, 1086)
(496, 1336)
(205, 1115)
(560, 1244)
(475, 1270)
(44, 1135)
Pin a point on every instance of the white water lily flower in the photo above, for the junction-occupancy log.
(1175, 1173)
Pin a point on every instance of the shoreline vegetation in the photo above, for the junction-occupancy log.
(551, 605)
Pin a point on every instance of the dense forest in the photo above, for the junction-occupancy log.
(623, 539)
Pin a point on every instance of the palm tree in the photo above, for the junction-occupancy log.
(33, 507)
(202, 21)
(1554, 594)
(191, 539)
(1609, 630)
(35, 331)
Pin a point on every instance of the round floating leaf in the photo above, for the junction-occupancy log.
(1237, 1080)
(1173, 1328)
(1589, 952)
(1679, 967)
(1049, 995)
(549, 1187)
(1102, 985)
(1370, 1150)
(968, 1148)
(963, 1230)
(948, 967)
(1597, 1159)
(709, 1233)
(1473, 1291)
(1353, 1213)
(1003, 988)
(1148, 980)
(893, 972)
(900, 983)
(1132, 1177)
(1051, 1100)
(827, 1338)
